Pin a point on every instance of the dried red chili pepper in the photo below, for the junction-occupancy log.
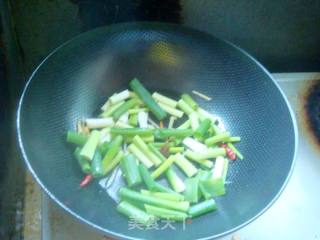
(231, 155)
(86, 180)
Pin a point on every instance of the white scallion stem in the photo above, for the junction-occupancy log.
(165, 100)
(193, 157)
(205, 114)
(185, 107)
(105, 135)
(121, 96)
(139, 142)
(172, 111)
(199, 94)
(175, 181)
(99, 122)
(106, 106)
(124, 118)
(143, 119)
(139, 154)
(210, 153)
(171, 121)
(110, 110)
(219, 168)
(194, 121)
(194, 145)
(185, 165)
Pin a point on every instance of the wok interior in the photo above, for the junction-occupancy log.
(75, 81)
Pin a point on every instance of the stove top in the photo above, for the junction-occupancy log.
(295, 215)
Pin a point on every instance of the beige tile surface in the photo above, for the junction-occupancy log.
(32, 209)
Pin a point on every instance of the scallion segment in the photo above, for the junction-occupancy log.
(103, 148)
(176, 149)
(165, 100)
(171, 121)
(170, 110)
(99, 122)
(134, 196)
(112, 152)
(134, 213)
(175, 181)
(203, 162)
(184, 107)
(140, 155)
(112, 109)
(137, 110)
(156, 151)
(113, 163)
(220, 168)
(161, 144)
(147, 99)
(121, 96)
(90, 146)
(96, 165)
(202, 208)
(76, 138)
(165, 213)
(235, 150)
(234, 139)
(120, 124)
(194, 121)
(214, 186)
(203, 128)
(222, 137)
(189, 100)
(163, 167)
(124, 108)
(202, 176)
(210, 153)
(194, 145)
(146, 177)
(163, 133)
(133, 120)
(185, 165)
(130, 170)
(164, 195)
(84, 163)
(144, 148)
(160, 188)
(131, 132)
(192, 188)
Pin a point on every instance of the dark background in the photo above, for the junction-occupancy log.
(283, 35)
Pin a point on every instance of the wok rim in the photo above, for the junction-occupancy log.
(157, 24)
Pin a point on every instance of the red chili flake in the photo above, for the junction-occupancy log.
(86, 180)
(231, 155)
